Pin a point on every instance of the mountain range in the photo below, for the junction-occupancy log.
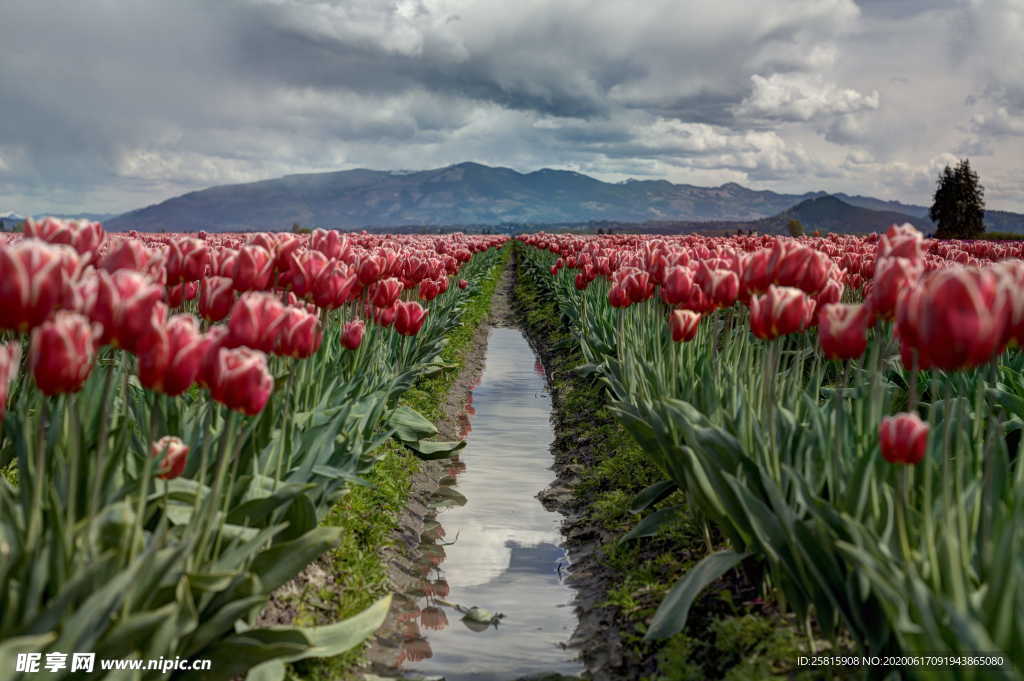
(468, 194)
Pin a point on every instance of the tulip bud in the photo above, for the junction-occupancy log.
(10, 358)
(216, 297)
(31, 282)
(125, 301)
(352, 334)
(256, 320)
(463, 283)
(683, 324)
(187, 260)
(842, 330)
(62, 352)
(173, 454)
(306, 268)
(127, 254)
(240, 380)
(781, 311)
(172, 355)
(253, 269)
(385, 292)
(371, 268)
(300, 335)
(335, 286)
(409, 318)
(892, 275)
(903, 438)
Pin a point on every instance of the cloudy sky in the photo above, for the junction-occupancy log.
(110, 105)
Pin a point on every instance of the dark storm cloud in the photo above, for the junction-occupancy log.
(110, 105)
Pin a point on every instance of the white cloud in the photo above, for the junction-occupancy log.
(802, 97)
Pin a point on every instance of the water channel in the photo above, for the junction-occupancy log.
(496, 606)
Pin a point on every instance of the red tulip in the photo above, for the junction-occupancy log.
(429, 289)
(385, 292)
(216, 297)
(618, 297)
(892, 275)
(125, 301)
(757, 272)
(31, 282)
(300, 335)
(902, 241)
(10, 359)
(371, 268)
(352, 334)
(801, 267)
(173, 454)
(409, 318)
(382, 316)
(240, 380)
(329, 242)
(256, 320)
(842, 330)
(253, 269)
(306, 268)
(82, 235)
(683, 324)
(903, 438)
(335, 286)
(958, 319)
(721, 288)
(172, 355)
(128, 254)
(177, 295)
(463, 283)
(62, 352)
(187, 260)
(781, 311)
(80, 295)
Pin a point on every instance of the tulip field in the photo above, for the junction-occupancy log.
(179, 413)
(844, 413)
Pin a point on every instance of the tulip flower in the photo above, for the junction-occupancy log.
(173, 454)
(31, 282)
(892, 275)
(371, 268)
(187, 260)
(352, 334)
(300, 335)
(306, 268)
(842, 330)
(463, 283)
(172, 355)
(958, 319)
(382, 316)
(82, 235)
(385, 292)
(10, 358)
(781, 311)
(801, 267)
(683, 324)
(240, 380)
(125, 301)
(903, 438)
(329, 242)
(256, 320)
(409, 318)
(216, 297)
(429, 289)
(335, 286)
(62, 352)
(253, 269)
(128, 254)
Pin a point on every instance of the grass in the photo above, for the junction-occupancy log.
(731, 634)
(367, 514)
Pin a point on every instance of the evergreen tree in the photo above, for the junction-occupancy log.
(795, 227)
(958, 210)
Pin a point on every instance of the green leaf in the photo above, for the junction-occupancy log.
(671, 616)
(10, 648)
(652, 495)
(649, 526)
(434, 449)
(280, 563)
(410, 425)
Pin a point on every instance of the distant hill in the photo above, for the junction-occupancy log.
(474, 194)
(832, 214)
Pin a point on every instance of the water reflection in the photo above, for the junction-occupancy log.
(493, 604)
